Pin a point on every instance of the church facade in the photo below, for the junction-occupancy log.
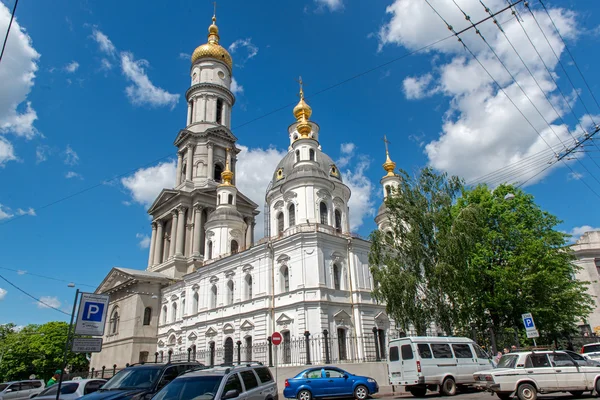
(208, 283)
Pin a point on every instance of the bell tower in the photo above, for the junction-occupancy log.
(389, 183)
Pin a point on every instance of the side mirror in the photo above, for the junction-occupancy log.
(8, 390)
(345, 376)
(231, 394)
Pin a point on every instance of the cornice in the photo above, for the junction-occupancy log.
(205, 85)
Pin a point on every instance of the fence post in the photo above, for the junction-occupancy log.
(474, 331)
(93, 369)
(189, 350)
(239, 351)
(212, 354)
(377, 356)
(103, 368)
(156, 357)
(127, 365)
(325, 335)
(492, 338)
(114, 369)
(307, 339)
(162, 356)
(270, 351)
(170, 354)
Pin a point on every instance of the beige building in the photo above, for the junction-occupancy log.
(587, 252)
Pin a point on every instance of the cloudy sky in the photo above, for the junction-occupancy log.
(92, 97)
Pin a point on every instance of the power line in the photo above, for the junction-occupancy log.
(12, 16)
(21, 272)
(33, 297)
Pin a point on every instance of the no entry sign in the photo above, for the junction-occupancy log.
(276, 338)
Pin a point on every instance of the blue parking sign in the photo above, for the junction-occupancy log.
(93, 311)
(528, 322)
(92, 314)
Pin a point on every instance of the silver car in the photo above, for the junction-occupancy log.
(70, 390)
(20, 390)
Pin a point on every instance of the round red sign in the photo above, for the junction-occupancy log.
(276, 339)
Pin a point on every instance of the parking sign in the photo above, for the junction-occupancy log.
(528, 322)
(92, 314)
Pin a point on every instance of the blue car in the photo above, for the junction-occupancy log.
(329, 382)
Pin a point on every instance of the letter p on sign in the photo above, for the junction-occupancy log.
(93, 311)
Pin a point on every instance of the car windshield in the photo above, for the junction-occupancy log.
(3, 386)
(591, 348)
(196, 388)
(133, 378)
(65, 388)
(508, 361)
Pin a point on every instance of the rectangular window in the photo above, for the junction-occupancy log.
(249, 379)
(462, 351)
(441, 351)
(537, 361)
(394, 353)
(407, 353)
(219, 111)
(233, 383)
(480, 352)
(424, 350)
(264, 374)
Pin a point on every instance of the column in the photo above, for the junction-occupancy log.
(189, 114)
(190, 162)
(202, 109)
(248, 222)
(173, 233)
(179, 162)
(197, 227)
(180, 232)
(195, 111)
(202, 232)
(152, 244)
(210, 172)
(252, 231)
(158, 247)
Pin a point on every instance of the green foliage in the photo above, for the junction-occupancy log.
(36, 349)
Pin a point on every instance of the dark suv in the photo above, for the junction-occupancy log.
(140, 381)
(250, 381)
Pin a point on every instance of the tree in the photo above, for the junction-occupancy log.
(418, 264)
(36, 349)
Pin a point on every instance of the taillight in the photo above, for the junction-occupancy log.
(418, 366)
(581, 349)
(287, 384)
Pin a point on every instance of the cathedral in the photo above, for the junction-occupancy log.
(209, 284)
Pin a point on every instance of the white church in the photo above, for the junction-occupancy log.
(209, 287)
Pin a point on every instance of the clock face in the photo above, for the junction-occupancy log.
(221, 74)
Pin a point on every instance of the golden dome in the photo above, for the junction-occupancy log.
(213, 49)
(389, 166)
(302, 113)
(227, 174)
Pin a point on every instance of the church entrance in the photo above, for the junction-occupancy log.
(228, 353)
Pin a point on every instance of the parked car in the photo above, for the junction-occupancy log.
(252, 381)
(420, 363)
(525, 374)
(329, 382)
(70, 390)
(591, 350)
(140, 381)
(582, 359)
(20, 390)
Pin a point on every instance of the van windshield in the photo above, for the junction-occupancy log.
(508, 361)
(591, 348)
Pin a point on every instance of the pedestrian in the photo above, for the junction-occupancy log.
(54, 378)
(506, 351)
(498, 357)
(513, 348)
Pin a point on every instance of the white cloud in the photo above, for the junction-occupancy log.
(144, 240)
(30, 211)
(142, 91)
(73, 174)
(332, 5)
(577, 231)
(72, 67)
(17, 75)
(3, 293)
(361, 203)
(7, 151)
(250, 48)
(254, 170)
(21, 272)
(106, 46)
(184, 56)
(481, 130)
(235, 87)
(5, 213)
(347, 151)
(347, 148)
(41, 153)
(105, 65)
(146, 183)
(49, 301)
(71, 157)
(575, 176)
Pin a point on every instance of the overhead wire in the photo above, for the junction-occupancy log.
(33, 297)
(22, 272)
(12, 17)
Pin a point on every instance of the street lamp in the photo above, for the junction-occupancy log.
(71, 285)
(509, 196)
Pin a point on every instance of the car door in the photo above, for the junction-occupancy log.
(568, 374)
(234, 383)
(169, 374)
(484, 361)
(336, 384)
(464, 362)
(540, 370)
(316, 383)
(251, 386)
(92, 386)
(409, 364)
(12, 392)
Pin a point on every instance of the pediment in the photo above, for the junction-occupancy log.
(211, 332)
(114, 279)
(342, 315)
(220, 131)
(247, 326)
(163, 197)
(284, 320)
(283, 259)
(242, 199)
(161, 343)
(192, 336)
(228, 328)
(382, 316)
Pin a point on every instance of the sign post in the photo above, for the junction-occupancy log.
(64, 365)
(530, 328)
(276, 339)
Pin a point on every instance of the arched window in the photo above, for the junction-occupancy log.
(388, 189)
(228, 351)
(230, 199)
(292, 214)
(234, 246)
(297, 155)
(336, 277)
(173, 312)
(182, 308)
(248, 287)
(219, 111)
(183, 171)
(164, 315)
(209, 250)
(195, 303)
(230, 292)
(323, 213)
(192, 110)
(279, 223)
(147, 315)
(218, 170)
(338, 221)
(114, 321)
(311, 155)
(248, 346)
(285, 279)
(213, 296)
(172, 340)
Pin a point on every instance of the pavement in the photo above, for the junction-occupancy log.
(473, 395)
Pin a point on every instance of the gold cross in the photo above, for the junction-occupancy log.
(215, 12)
(386, 144)
(301, 83)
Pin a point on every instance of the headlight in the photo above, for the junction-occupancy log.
(371, 380)
(489, 378)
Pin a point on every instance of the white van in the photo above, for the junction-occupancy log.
(435, 363)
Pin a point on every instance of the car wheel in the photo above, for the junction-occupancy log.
(448, 387)
(304, 395)
(527, 392)
(504, 396)
(418, 392)
(576, 393)
(597, 386)
(361, 392)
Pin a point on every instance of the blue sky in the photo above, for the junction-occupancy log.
(95, 90)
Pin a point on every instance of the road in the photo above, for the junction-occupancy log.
(476, 395)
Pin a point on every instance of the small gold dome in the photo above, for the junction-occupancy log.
(302, 113)
(302, 109)
(213, 49)
(227, 174)
(389, 166)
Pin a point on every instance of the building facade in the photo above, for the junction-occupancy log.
(587, 254)
(219, 288)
